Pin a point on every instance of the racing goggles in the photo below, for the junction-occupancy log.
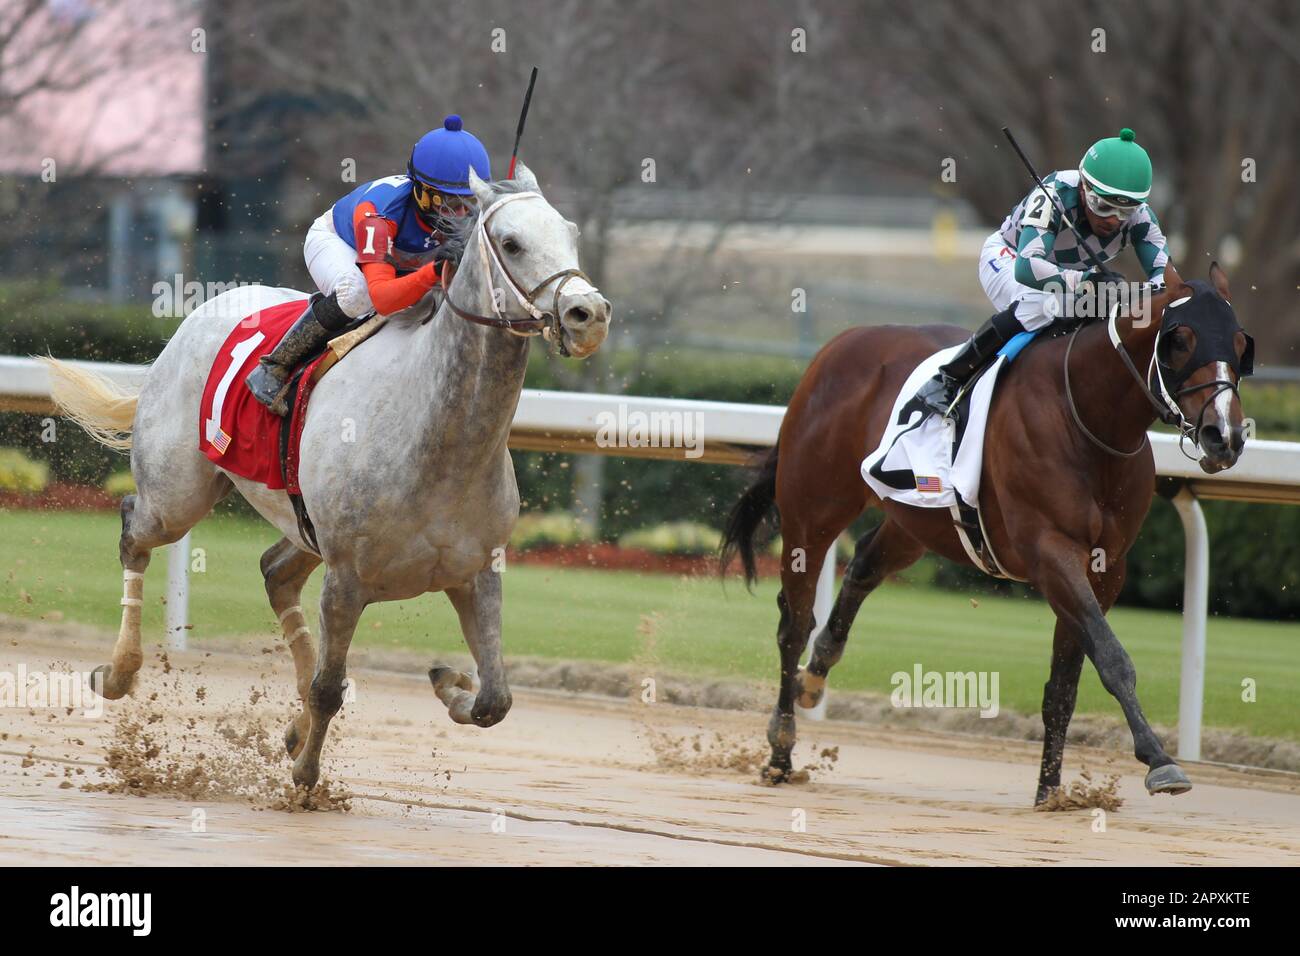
(447, 205)
(1121, 207)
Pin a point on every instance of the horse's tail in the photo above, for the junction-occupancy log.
(749, 512)
(103, 408)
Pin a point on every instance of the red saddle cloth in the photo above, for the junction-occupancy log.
(236, 431)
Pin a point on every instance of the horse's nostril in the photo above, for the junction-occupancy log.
(1212, 435)
(577, 316)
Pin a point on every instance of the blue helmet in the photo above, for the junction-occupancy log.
(443, 158)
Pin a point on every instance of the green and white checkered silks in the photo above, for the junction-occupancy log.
(1035, 230)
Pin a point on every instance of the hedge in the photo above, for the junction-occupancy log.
(1255, 549)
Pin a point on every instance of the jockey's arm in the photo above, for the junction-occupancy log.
(1033, 268)
(1150, 245)
(388, 291)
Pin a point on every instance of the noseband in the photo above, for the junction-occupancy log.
(538, 321)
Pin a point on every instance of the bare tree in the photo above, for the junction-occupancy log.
(1207, 85)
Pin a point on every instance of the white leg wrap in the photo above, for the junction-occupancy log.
(294, 623)
(132, 589)
(132, 600)
(297, 608)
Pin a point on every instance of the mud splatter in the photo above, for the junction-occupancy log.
(702, 753)
(1084, 794)
(230, 754)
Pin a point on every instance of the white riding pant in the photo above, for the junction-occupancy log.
(333, 266)
(997, 272)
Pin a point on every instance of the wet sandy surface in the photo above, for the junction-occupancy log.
(568, 780)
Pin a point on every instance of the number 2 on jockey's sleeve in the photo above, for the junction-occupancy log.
(1038, 210)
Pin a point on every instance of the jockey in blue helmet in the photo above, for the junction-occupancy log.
(375, 249)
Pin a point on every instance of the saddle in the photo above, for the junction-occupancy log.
(966, 517)
(1014, 346)
(243, 437)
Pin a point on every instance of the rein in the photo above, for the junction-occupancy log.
(1074, 410)
(538, 321)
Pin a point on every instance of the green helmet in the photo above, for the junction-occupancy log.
(1118, 167)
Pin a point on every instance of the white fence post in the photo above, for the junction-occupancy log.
(1196, 600)
(178, 593)
(822, 604)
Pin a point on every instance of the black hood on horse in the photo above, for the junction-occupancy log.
(1212, 320)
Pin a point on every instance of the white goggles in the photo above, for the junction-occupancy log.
(1105, 208)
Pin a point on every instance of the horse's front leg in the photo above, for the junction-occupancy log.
(478, 604)
(1061, 574)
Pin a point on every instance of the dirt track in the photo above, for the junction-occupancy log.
(569, 780)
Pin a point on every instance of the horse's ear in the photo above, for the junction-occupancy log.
(1220, 280)
(525, 178)
(482, 190)
(1174, 283)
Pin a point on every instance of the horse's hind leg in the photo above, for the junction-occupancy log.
(341, 604)
(882, 551)
(478, 605)
(1059, 695)
(285, 569)
(144, 529)
(800, 568)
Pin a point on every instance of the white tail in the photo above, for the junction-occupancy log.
(103, 408)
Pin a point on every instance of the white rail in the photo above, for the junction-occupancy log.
(730, 433)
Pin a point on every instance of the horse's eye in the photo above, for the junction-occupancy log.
(511, 246)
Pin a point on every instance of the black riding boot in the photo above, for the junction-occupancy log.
(941, 391)
(319, 322)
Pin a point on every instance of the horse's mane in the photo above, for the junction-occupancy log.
(453, 247)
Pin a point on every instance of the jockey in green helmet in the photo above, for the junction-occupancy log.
(1034, 258)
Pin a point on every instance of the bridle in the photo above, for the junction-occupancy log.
(1156, 369)
(538, 321)
(1161, 398)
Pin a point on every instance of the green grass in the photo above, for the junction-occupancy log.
(68, 563)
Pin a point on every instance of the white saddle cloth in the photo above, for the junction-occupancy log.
(928, 463)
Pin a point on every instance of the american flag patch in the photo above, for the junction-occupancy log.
(221, 441)
(923, 483)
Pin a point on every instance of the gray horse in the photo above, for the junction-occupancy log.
(405, 470)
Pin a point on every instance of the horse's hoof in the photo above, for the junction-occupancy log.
(305, 774)
(810, 689)
(444, 678)
(775, 773)
(1168, 779)
(103, 684)
(490, 711)
(292, 741)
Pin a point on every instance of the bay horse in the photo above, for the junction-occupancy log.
(1067, 470)
(417, 495)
